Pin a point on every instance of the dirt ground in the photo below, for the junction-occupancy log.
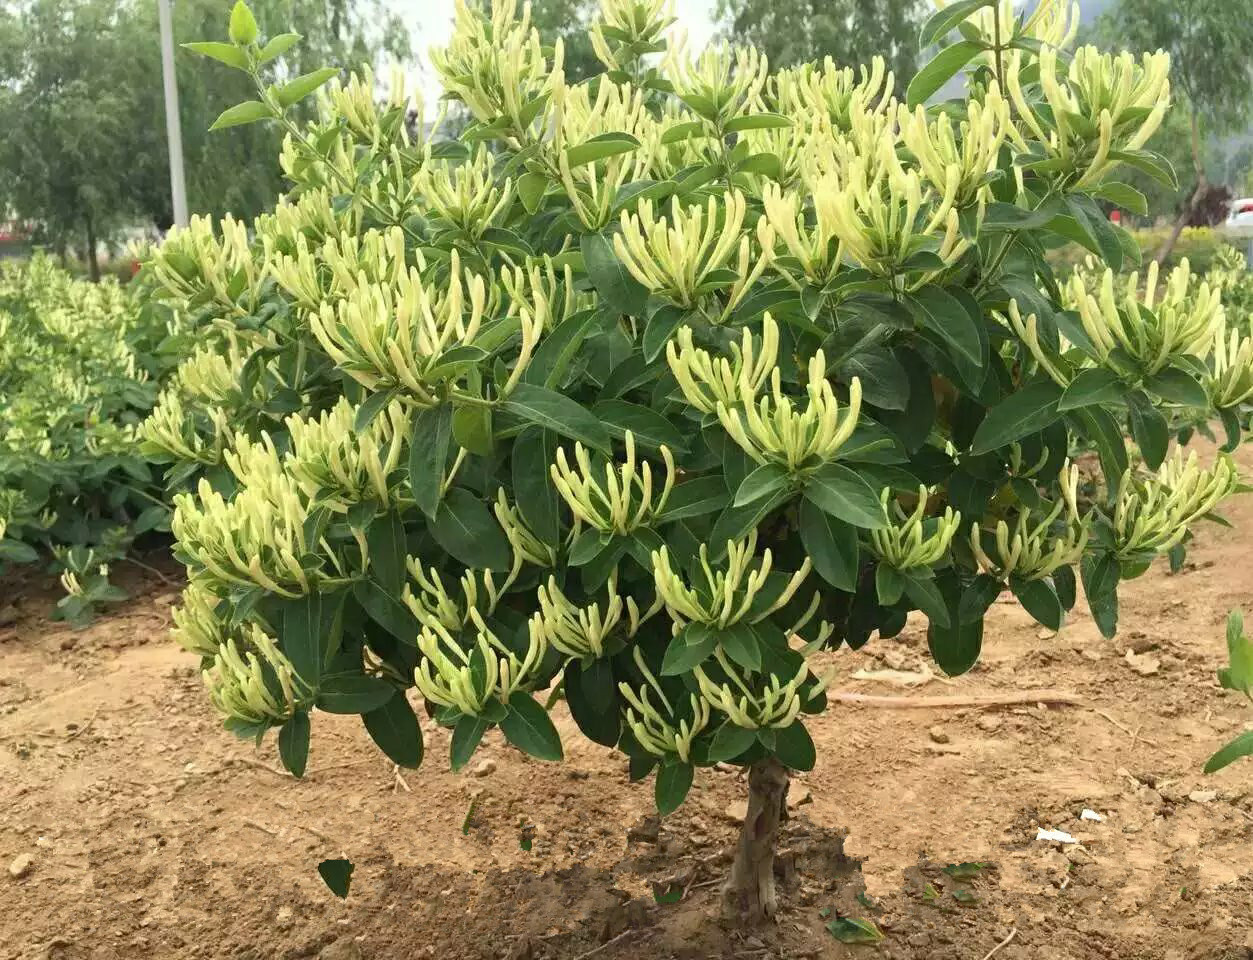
(152, 832)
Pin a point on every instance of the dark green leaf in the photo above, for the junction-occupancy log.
(661, 327)
(940, 70)
(674, 780)
(946, 316)
(1040, 600)
(1026, 411)
(1175, 386)
(977, 597)
(1241, 746)
(954, 648)
(530, 729)
(465, 528)
(466, 736)
(925, 595)
(551, 410)
(831, 544)
(854, 929)
(696, 498)
(428, 455)
(688, 648)
(729, 741)
(601, 147)
(337, 875)
(1149, 429)
(594, 700)
(739, 642)
(293, 743)
(650, 428)
(1100, 574)
(353, 693)
(610, 278)
(843, 493)
(794, 747)
(394, 727)
(767, 479)
(1095, 385)
(301, 634)
(534, 451)
(531, 187)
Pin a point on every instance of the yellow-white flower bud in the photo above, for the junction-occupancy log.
(707, 381)
(624, 501)
(910, 540)
(1154, 514)
(662, 735)
(1032, 548)
(237, 681)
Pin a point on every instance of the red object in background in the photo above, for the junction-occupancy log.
(1246, 207)
(1115, 216)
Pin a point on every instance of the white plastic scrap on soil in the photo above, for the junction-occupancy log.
(1054, 836)
(1091, 815)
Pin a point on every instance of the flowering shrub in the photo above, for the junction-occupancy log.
(78, 367)
(648, 388)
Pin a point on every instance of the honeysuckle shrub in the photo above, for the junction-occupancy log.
(79, 368)
(646, 389)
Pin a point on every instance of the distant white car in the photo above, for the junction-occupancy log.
(1239, 221)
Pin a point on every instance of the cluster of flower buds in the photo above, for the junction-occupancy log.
(812, 241)
(662, 735)
(964, 152)
(708, 381)
(592, 185)
(357, 103)
(774, 705)
(625, 26)
(625, 501)
(542, 295)
(467, 680)
(913, 540)
(1230, 382)
(434, 607)
(1033, 548)
(582, 631)
(314, 274)
(257, 538)
(835, 93)
(171, 430)
(387, 336)
(677, 256)
(722, 82)
(468, 195)
(728, 592)
(1102, 103)
(771, 429)
(527, 547)
(197, 627)
(495, 63)
(257, 686)
(1153, 515)
(340, 466)
(195, 265)
(1153, 326)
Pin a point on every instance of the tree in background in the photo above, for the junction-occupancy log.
(846, 30)
(84, 150)
(1211, 66)
(568, 20)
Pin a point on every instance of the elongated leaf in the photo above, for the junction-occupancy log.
(940, 70)
(1124, 195)
(250, 111)
(1096, 385)
(428, 455)
(530, 729)
(535, 496)
(697, 497)
(794, 747)
(649, 427)
(688, 648)
(756, 121)
(1027, 411)
(337, 875)
(1100, 574)
(831, 544)
(466, 736)
(293, 743)
(729, 742)
(674, 780)
(302, 636)
(1149, 429)
(661, 327)
(226, 53)
(277, 46)
(394, 727)
(940, 23)
(843, 493)
(955, 648)
(601, 147)
(593, 699)
(1241, 746)
(242, 28)
(611, 279)
(739, 642)
(302, 86)
(465, 528)
(1176, 386)
(555, 412)
(353, 693)
(942, 313)
(767, 479)
(1040, 600)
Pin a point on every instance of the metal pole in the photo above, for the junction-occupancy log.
(173, 132)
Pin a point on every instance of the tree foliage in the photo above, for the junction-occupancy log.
(647, 389)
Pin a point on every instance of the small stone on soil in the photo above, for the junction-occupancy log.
(21, 865)
(485, 768)
(989, 723)
(1203, 796)
(938, 735)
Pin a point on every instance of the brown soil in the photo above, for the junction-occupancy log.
(154, 833)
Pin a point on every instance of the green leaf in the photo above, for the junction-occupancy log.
(889, 584)
(394, 727)
(243, 25)
(940, 70)
(428, 455)
(661, 327)
(854, 929)
(978, 597)
(302, 86)
(1149, 429)
(1100, 574)
(531, 187)
(466, 529)
(534, 450)
(1027, 411)
(648, 426)
(942, 22)
(1009, 216)
(226, 53)
(594, 700)
(1238, 675)
(1153, 164)
(466, 736)
(688, 648)
(555, 412)
(762, 482)
(1093, 386)
(277, 46)
(15, 551)
(530, 729)
(249, 111)
(955, 648)
(353, 693)
(370, 408)
(1175, 386)
(387, 545)
(843, 493)
(1040, 600)
(794, 747)
(831, 544)
(756, 121)
(293, 743)
(674, 780)
(697, 497)
(1124, 195)
(739, 642)
(926, 596)
(600, 147)
(301, 636)
(612, 280)
(1241, 746)
(943, 314)
(336, 874)
(387, 610)
(683, 131)
(729, 741)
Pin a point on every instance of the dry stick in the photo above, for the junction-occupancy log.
(1134, 735)
(84, 728)
(608, 943)
(1004, 943)
(991, 700)
(260, 826)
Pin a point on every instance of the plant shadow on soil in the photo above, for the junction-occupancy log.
(146, 831)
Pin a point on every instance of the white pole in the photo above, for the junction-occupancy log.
(173, 132)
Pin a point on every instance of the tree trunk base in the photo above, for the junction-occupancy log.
(749, 896)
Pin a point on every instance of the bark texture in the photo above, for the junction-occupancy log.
(749, 897)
